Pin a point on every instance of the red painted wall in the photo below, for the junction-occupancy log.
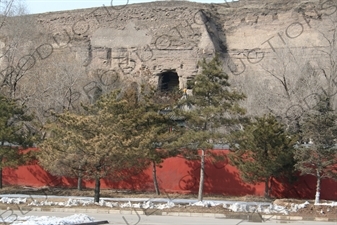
(181, 176)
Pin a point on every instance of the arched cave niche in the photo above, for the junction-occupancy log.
(168, 81)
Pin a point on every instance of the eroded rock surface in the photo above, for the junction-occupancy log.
(279, 52)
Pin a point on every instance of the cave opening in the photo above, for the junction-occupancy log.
(168, 81)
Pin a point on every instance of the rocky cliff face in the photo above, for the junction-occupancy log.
(159, 36)
(276, 51)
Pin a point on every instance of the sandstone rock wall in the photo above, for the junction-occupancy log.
(159, 36)
(273, 50)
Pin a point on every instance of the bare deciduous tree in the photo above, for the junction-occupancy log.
(17, 32)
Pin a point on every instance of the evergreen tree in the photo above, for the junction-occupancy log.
(262, 150)
(212, 106)
(14, 134)
(319, 157)
(156, 125)
(103, 137)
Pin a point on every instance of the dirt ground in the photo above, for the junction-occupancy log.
(309, 212)
(318, 211)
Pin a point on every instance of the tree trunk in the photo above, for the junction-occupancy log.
(154, 174)
(79, 183)
(79, 179)
(266, 188)
(1, 158)
(202, 176)
(0, 178)
(97, 188)
(318, 187)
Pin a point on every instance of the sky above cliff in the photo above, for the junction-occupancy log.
(42, 6)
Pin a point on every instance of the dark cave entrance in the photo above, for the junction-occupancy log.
(168, 81)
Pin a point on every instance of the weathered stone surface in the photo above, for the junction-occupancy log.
(159, 36)
(254, 39)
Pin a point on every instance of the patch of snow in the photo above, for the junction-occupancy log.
(332, 204)
(52, 220)
(7, 200)
(105, 203)
(126, 205)
(256, 208)
(243, 207)
(69, 203)
(296, 207)
(248, 207)
(272, 209)
(165, 206)
(147, 205)
(205, 204)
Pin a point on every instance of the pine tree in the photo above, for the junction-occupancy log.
(102, 137)
(156, 126)
(319, 158)
(14, 134)
(262, 150)
(212, 105)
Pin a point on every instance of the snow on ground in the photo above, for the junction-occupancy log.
(205, 203)
(147, 205)
(13, 200)
(48, 220)
(235, 206)
(265, 209)
(70, 202)
(332, 204)
(248, 207)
